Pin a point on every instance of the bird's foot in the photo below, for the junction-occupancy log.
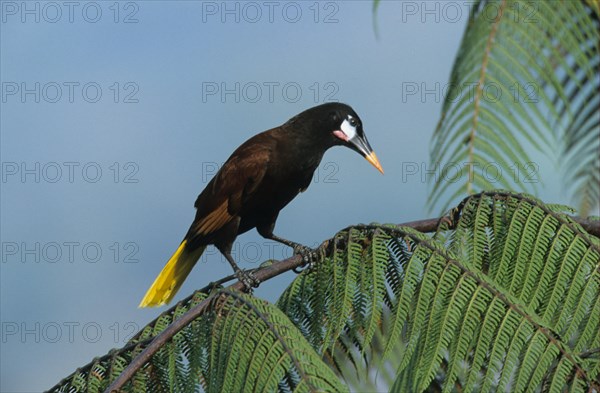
(309, 257)
(248, 279)
(445, 222)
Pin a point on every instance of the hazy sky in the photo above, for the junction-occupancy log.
(115, 115)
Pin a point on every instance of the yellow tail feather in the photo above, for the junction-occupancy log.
(172, 276)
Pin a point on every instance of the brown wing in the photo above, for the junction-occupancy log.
(220, 202)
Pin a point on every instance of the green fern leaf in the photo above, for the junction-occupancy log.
(533, 65)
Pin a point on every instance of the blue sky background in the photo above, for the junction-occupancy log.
(100, 190)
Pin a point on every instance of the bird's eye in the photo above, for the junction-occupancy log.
(353, 122)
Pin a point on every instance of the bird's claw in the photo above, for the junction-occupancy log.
(308, 254)
(309, 257)
(248, 279)
(446, 222)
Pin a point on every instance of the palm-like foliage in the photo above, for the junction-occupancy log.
(505, 296)
(239, 344)
(525, 77)
(508, 300)
(502, 296)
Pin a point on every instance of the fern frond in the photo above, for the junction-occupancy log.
(525, 77)
(257, 346)
(240, 343)
(506, 302)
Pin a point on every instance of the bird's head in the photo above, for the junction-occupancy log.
(338, 124)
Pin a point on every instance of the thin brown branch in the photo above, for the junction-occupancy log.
(591, 226)
(263, 274)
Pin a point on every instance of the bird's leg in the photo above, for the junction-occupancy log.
(309, 256)
(245, 277)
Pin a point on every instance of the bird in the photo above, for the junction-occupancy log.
(255, 183)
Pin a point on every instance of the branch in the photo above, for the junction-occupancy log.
(263, 274)
(591, 226)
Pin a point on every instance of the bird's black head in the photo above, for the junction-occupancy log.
(336, 124)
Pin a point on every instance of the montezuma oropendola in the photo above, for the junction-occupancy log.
(258, 180)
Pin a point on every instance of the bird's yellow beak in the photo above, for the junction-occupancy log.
(372, 158)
